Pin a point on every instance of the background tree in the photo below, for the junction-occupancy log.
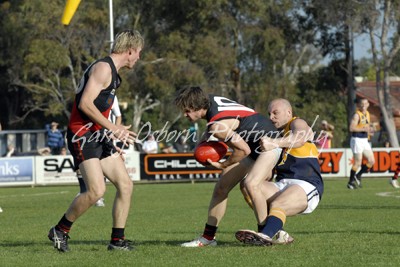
(382, 19)
(250, 51)
(337, 23)
(44, 60)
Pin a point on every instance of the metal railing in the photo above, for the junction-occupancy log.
(24, 141)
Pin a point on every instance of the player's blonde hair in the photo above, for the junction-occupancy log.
(126, 40)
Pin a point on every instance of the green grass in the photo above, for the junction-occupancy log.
(349, 228)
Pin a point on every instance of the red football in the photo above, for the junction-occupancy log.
(213, 150)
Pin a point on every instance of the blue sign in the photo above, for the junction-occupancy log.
(16, 169)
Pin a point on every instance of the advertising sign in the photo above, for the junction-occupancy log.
(174, 166)
(16, 171)
(132, 164)
(333, 163)
(338, 162)
(385, 162)
(55, 170)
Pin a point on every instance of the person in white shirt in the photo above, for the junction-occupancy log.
(150, 145)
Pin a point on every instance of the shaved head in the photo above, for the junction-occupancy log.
(280, 112)
(281, 102)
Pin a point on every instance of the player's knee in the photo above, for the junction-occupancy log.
(125, 187)
(250, 186)
(95, 194)
(220, 191)
(371, 162)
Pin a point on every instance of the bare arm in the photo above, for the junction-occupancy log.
(225, 130)
(299, 134)
(100, 78)
(118, 120)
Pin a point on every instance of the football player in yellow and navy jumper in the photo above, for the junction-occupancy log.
(298, 186)
(360, 127)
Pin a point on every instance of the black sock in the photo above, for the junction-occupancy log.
(364, 169)
(260, 227)
(64, 225)
(117, 234)
(209, 232)
(352, 174)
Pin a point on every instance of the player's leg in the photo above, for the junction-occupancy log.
(114, 169)
(369, 155)
(82, 189)
(353, 181)
(288, 202)
(297, 198)
(230, 177)
(269, 192)
(92, 175)
(357, 149)
(260, 171)
(394, 180)
(95, 188)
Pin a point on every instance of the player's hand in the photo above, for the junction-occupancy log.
(216, 164)
(122, 134)
(267, 144)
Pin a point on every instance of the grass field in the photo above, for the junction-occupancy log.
(349, 228)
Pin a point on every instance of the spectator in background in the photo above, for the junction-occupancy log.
(181, 146)
(325, 137)
(55, 139)
(150, 146)
(63, 151)
(11, 152)
(45, 151)
(168, 149)
(386, 143)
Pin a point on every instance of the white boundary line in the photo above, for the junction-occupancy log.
(389, 194)
(35, 195)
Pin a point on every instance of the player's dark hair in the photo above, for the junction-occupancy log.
(192, 98)
(359, 100)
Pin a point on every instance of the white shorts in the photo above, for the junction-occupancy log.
(311, 192)
(358, 145)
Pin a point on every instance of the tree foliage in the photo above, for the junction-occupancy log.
(250, 51)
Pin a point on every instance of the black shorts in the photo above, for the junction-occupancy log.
(90, 145)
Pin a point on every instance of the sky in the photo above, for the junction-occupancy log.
(362, 47)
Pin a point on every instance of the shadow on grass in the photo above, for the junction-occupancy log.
(177, 243)
(347, 232)
(348, 207)
(104, 243)
(49, 243)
